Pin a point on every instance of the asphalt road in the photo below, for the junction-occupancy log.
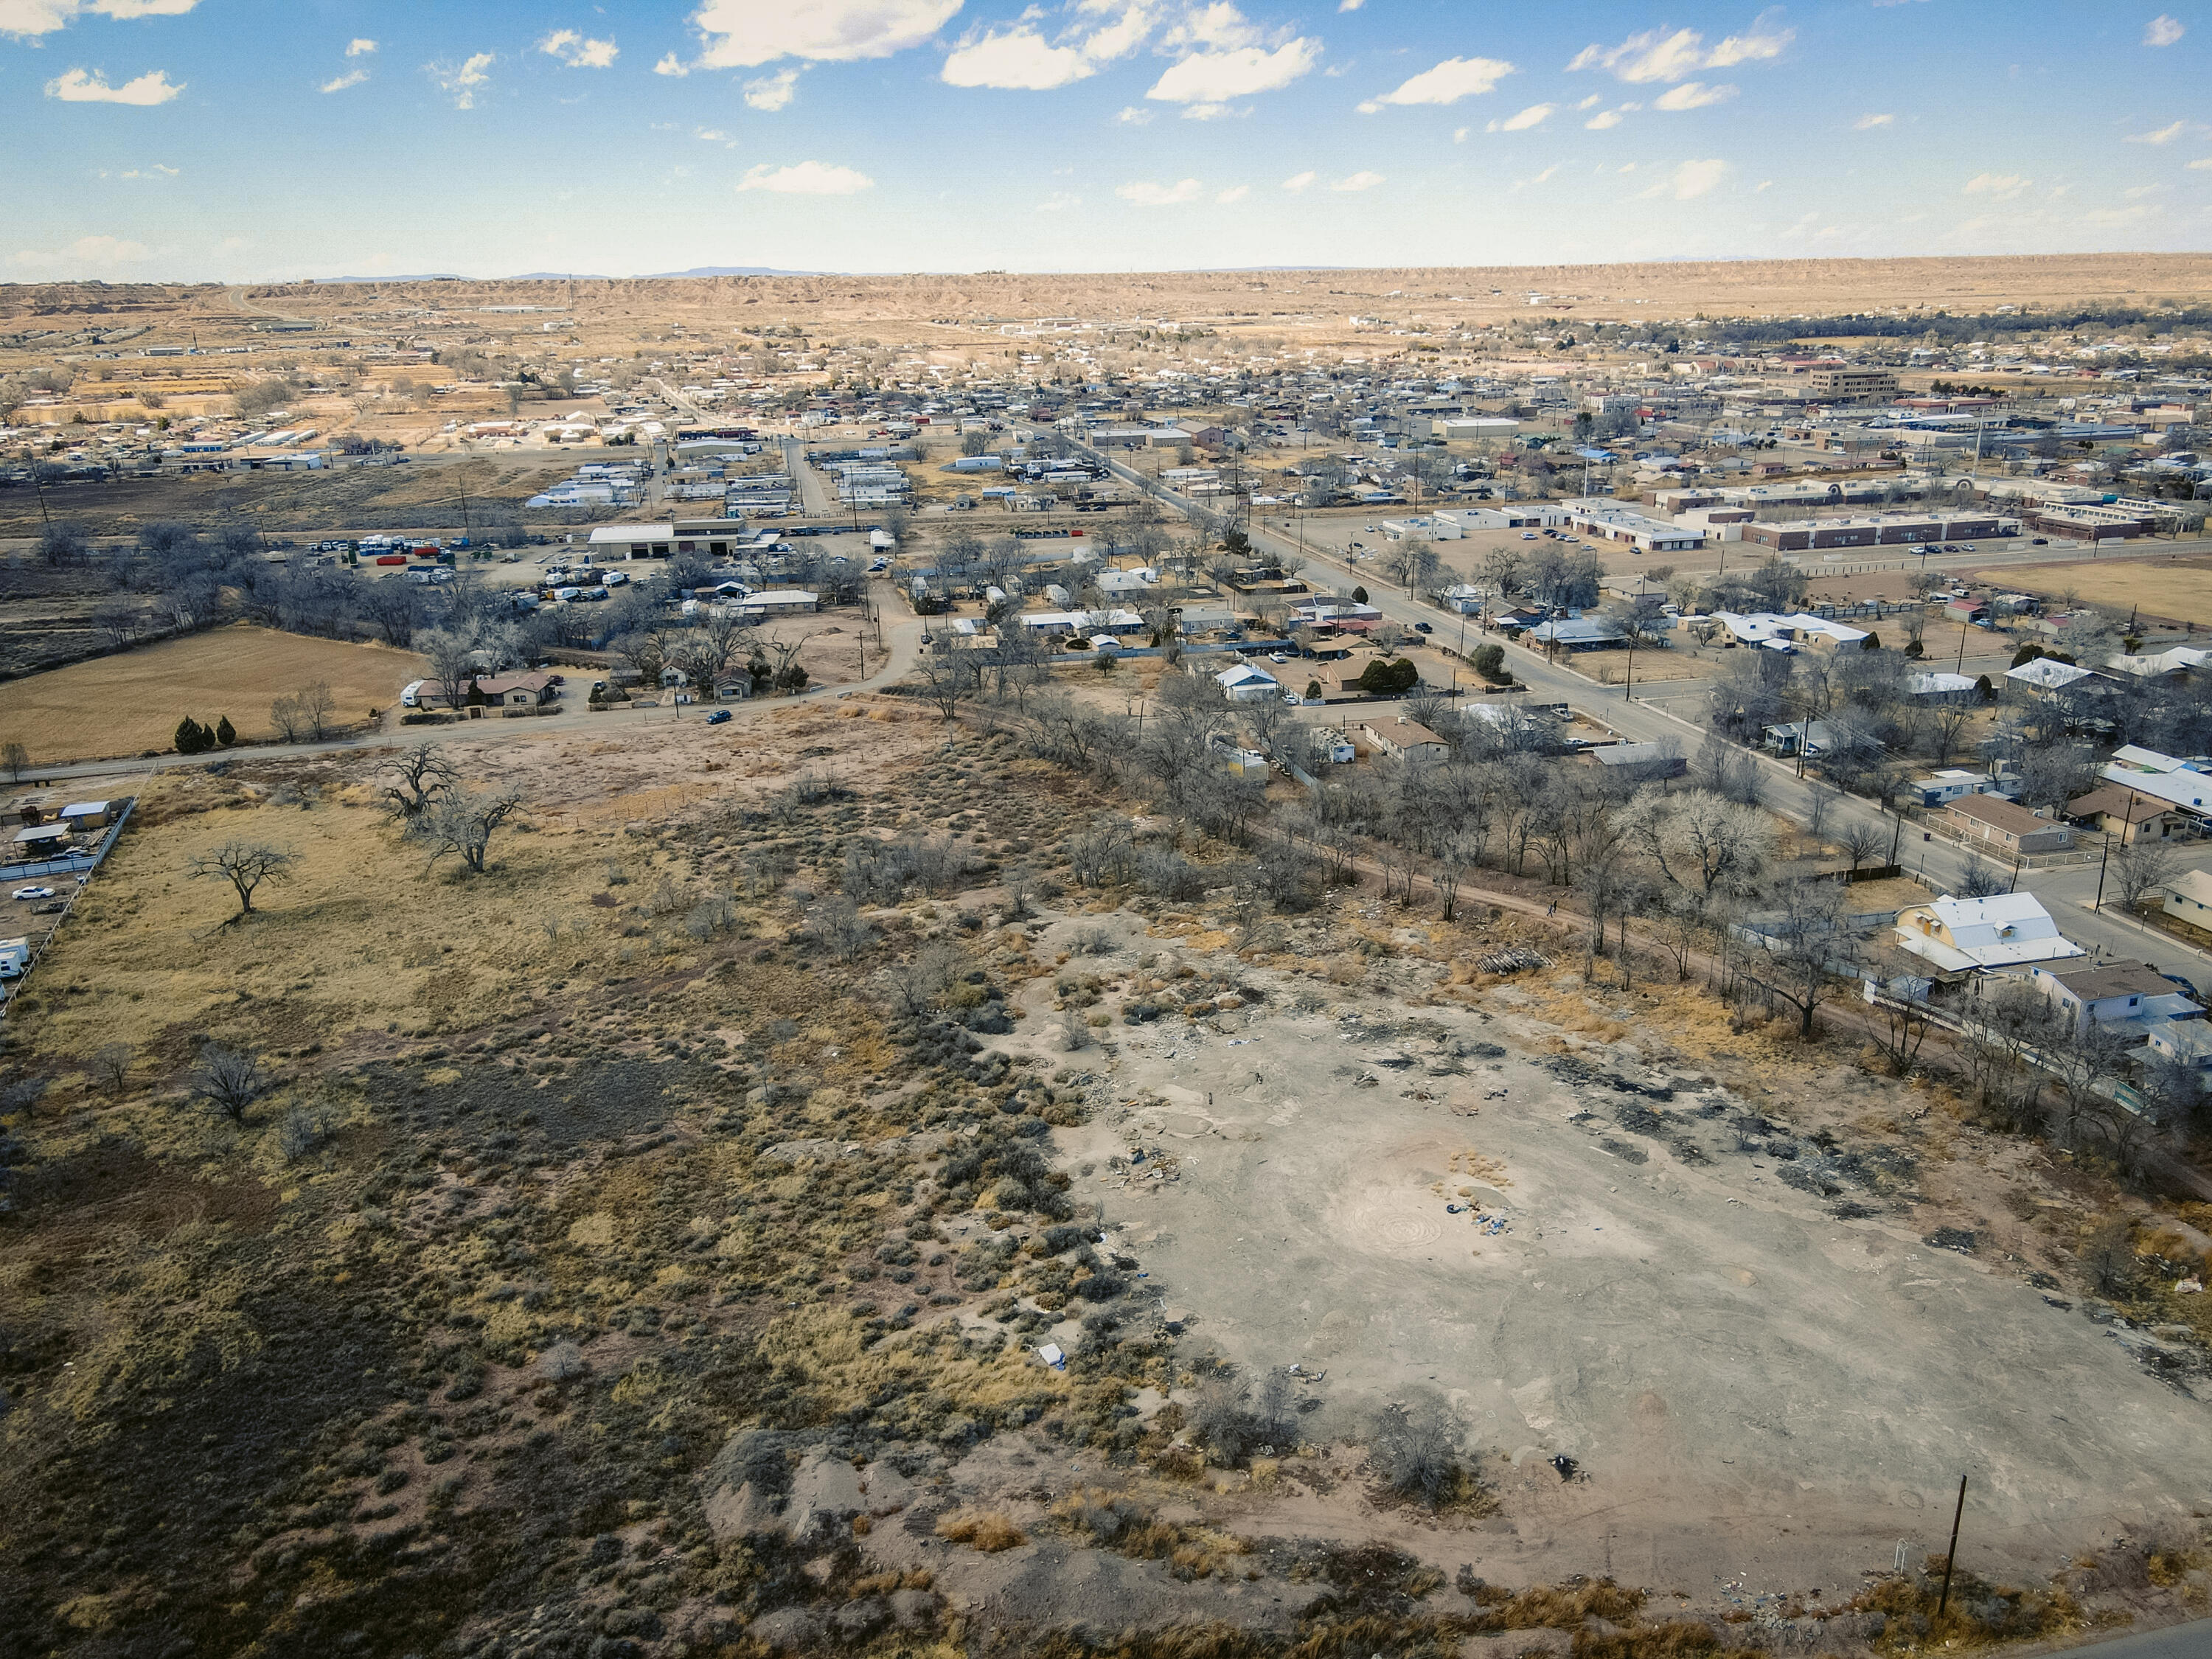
(2067, 891)
(814, 493)
(2190, 1641)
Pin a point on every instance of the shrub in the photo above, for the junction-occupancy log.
(1411, 1455)
(986, 1530)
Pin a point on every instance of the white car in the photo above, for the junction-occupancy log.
(33, 892)
(1278, 656)
(1528, 535)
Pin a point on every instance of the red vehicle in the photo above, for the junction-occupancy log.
(391, 558)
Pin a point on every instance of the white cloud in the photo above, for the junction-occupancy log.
(1234, 193)
(157, 170)
(1131, 116)
(746, 33)
(2136, 192)
(360, 46)
(87, 254)
(2162, 31)
(1657, 55)
(1692, 94)
(1867, 122)
(2165, 135)
(1691, 179)
(770, 93)
(1298, 181)
(1213, 111)
(1145, 193)
(1459, 134)
(2002, 185)
(1218, 26)
(1535, 116)
(1762, 186)
(32, 18)
(1591, 102)
(78, 86)
(462, 82)
(1607, 118)
(1018, 59)
(1215, 77)
(807, 179)
(2203, 164)
(1349, 5)
(351, 78)
(710, 136)
(579, 52)
(1447, 83)
(670, 64)
(1362, 180)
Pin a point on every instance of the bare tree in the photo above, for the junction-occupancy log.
(111, 1066)
(840, 926)
(1699, 839)
(121, 620)
(452, 657)
(925, 979)
(462, 821)
(2140, 869)
(1947, 722)
(229, 1079)
(1806, 947)
(948, 680)
(424, 775)
(15, 758)
(245, 865)
(1860, 840)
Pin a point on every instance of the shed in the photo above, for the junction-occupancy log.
(42, 838)
(88, 814)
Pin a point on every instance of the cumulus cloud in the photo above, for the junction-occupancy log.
(462, 81)
(2003, 186)
(28, 19)
(1691, 179)
(1362, 180)
(1867, 122)
(807, 179)
(1658, 55)
(78, 86)
(1298, 181)
(2162, 31)
(1234, 193)
(670, 64)
(746, 33)
(87, 254)
(770, 93)
(1131, 116)
(1447, 83)
(1606, 119)
(1349, 5)
(340, 82)
(360, 46)
(1145, 193)
(1018, 58)
(2203, 164)
(2165, 135)
(1692, 94)
(1215, 77)
(579, 52)
(1535, 116)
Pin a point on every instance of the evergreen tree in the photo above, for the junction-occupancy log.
(190, 738)
(225, 733)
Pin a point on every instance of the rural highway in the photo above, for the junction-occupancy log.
(2066, 892)
(2190, 1641)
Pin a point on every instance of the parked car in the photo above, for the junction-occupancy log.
(33, 892)
(1528, 535)
(720, 717)
(1278, 656)
(1423, 627)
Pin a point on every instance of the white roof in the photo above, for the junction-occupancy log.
(2132, 757)
(1928, 685)
(1762, 627)
(2000, 931)
(1244, 674)
(633, 532)
(2047, 673)
(2175, 661)
(78, 809)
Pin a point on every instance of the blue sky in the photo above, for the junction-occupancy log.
(269, 139)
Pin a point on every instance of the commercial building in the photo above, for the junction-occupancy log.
(1858, 384)
(1876, 530)
(1609, 521)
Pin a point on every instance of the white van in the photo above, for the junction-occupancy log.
(411, 695)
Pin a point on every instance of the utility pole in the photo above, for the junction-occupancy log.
(1951, 1557)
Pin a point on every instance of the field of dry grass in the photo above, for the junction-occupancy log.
(2176, 588)
(129, 703)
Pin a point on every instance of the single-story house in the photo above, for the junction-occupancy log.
(2189, 898)
(779, 602)
(1645, 763)
(2115, 993)
(2006, 824)
(2183, 1042)
(1406, 739)
(2179, 783)
(2046, 674)
(2179, 659)
(1245, 683)
(1952, 783)
(1941, 687)
(1578, 633)
(511, 690)
(1961, 937)
(2128, 813)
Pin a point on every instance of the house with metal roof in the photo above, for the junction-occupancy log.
(1959, 937)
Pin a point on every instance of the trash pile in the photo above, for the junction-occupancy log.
(1518, 959)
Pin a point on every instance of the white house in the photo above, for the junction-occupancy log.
(1959, 937)
(1941, 789)
(1245, 683)
(2046, 674)
(2118, 995)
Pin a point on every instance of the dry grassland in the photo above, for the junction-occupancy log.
(2170, 589)
(129, 703)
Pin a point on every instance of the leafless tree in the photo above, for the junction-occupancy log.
(1947, 723)
(424, 775)
(2084, 1057)
(2001, 1034)
(229, 1079)
(462, 822)
(305, 713)
(1803, 948)
(840, 926)
(452, 657)
(948, 680)
(922, 982)
(245, 865)
(2140, 869)
(111, 1066)
(15, 758)
(1860, 840)
(121, 620)
(1699, 839)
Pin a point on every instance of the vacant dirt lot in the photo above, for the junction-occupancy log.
(127, 704)
(2175, 588)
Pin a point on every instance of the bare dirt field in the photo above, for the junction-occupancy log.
(1533, 1209)
(2176, 588)
(130, 703)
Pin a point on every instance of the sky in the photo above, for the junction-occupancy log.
(271, 140)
